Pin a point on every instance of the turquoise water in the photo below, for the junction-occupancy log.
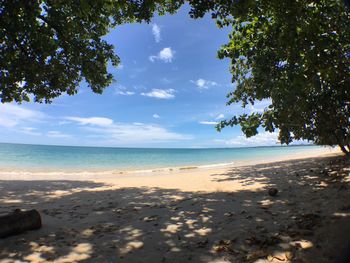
(43, 157)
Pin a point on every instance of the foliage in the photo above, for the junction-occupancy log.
(297, 54)
(49, 46)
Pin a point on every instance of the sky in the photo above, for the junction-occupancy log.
(169, 91)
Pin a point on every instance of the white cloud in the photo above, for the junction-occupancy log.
(220, 116)
(208, 122)
(121, 90)
(30, 131)
(120, 66)
(204, 84)
(166, 55)
(95, 121)
(63, 122)
(259, 106)
(125, 93)
(7, 122)
(124, 133)
(261, 139)
(160, 93)
(57, 134)
(129, 133)
(156, 116)
(113, 133)
(166, 80)
(156, 32)
(12, 115)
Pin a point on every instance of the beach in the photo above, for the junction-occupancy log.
(185, 214)
(175, 131)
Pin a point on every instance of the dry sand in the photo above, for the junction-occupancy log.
(190, 215)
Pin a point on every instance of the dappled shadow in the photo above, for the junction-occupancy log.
(91, 222)
(15, 193)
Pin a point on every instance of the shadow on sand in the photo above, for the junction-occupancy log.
(308, 221)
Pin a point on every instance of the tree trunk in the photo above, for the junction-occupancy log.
(344, 150)
(18, 222)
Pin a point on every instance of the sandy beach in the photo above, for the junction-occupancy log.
(212, 214)
(175, 131)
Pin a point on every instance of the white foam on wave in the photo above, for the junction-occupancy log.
(10, 172)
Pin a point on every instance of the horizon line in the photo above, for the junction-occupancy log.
(187, 148)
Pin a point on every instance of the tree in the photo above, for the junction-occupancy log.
(297, 55)
(49, 46)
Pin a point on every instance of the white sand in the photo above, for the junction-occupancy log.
(215, 214)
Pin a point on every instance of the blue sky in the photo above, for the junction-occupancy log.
(170, 90)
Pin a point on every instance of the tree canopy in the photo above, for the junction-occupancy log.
(49, 46)
(297, 55)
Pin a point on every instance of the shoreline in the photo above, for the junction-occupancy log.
(35, 163)
(196, 215)
(99, 174)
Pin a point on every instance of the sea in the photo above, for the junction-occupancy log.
(26, 157)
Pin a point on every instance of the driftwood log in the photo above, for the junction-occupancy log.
(18, 222)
